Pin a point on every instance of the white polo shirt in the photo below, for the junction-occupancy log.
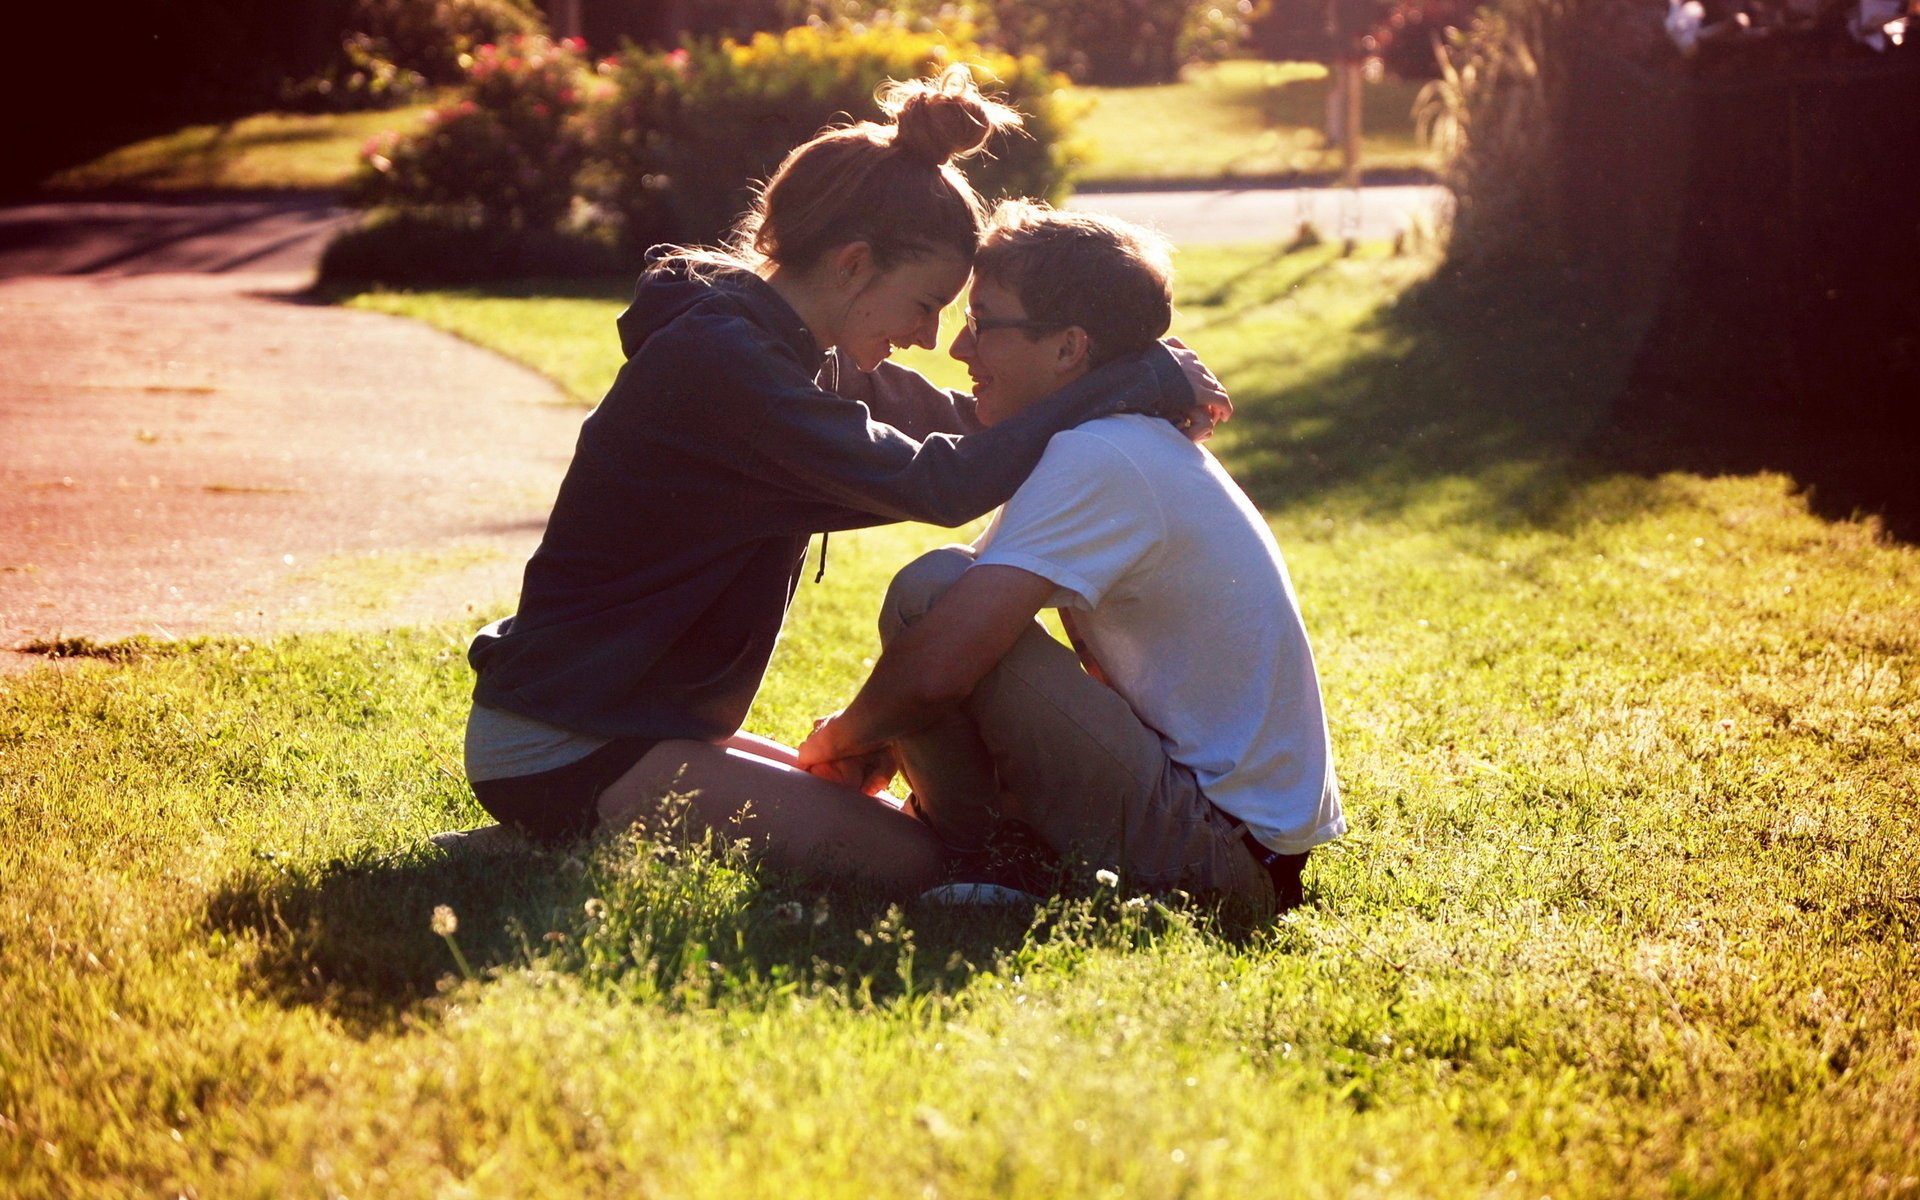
(1180, 594)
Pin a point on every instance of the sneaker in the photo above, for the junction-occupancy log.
(977, 894)
(487, 839)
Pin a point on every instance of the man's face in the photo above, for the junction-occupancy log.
(1011, 366)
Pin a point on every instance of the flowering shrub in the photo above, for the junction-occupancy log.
(360, 77)
(680, 138)
(505, 156)
(431, 37)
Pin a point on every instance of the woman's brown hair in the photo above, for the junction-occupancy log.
(892, 186)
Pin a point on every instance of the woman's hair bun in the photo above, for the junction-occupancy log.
(944, 117)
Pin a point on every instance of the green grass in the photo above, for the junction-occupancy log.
(567, 333)
(1241, 120)
(1629, 907)
(266, 151)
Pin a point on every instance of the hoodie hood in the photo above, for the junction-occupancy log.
(677, 282)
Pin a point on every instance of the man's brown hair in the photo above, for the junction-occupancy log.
(1112, 279)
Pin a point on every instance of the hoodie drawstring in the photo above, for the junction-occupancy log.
(822, 573)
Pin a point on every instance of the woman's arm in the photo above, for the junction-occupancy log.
(822, 447)
(905, 399)
(727, 392)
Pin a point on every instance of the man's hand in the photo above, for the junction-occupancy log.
(822, 755)
(1212, 406)
(925, 673)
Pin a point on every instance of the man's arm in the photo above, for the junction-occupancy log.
(934, 665)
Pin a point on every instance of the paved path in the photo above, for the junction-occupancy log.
(269, 235)
(186, 453)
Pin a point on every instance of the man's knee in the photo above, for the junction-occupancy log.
(918, 585)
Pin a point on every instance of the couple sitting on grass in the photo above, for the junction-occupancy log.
(1181, 742)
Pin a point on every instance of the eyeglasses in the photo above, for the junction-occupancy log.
(979, 325)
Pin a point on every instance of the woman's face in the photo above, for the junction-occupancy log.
(898, 307)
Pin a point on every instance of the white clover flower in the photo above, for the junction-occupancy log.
(444, 922)
(596, 909)
(1106, 878)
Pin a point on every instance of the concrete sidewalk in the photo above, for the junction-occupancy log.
(281, 233)
(1227, 216)
(190, 448)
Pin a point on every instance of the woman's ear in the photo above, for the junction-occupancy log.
(851, 265)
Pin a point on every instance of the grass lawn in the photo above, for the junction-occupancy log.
(1629, 906)
(1239, 120)
(268, 150)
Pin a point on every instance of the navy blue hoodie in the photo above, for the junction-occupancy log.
(654, 600)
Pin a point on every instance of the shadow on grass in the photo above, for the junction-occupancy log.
(676, 925)
(1521, 390)
(673, 926)
(1504, 387)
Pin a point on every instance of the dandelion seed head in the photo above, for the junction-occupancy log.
(444, 922)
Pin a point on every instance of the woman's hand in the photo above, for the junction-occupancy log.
(1212, 406)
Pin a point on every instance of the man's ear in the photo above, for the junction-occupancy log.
(850, 265)
(1076, 349)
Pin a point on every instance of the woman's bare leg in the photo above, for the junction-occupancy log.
(783, 755)
(759, 747)
(790, 819)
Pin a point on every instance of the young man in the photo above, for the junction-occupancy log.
(1184, 744)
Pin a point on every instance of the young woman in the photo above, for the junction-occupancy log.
(732, 434)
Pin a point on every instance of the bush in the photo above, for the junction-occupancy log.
(1107, 42)
(503, 158)
(434, 37)
(682, 137)
(397, 49)
(1408, 40)
(358, 79)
